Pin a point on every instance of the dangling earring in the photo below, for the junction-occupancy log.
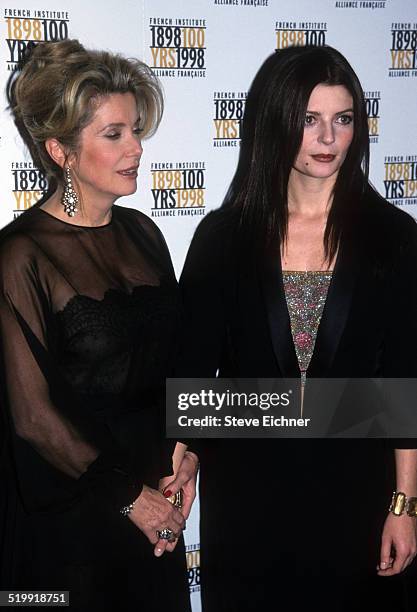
(69, 198)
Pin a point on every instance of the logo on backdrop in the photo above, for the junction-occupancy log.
(178, 47)
(192, 553)
(27, 27)
(403, 50)
(254, 3)
(178, 189)
(400, 179)
(28, 185)
(291, 33)
(360, 4)
(229, 107)
(373, 100)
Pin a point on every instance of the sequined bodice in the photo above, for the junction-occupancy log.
(306, 294)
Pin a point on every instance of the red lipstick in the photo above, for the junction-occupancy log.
(324, 158)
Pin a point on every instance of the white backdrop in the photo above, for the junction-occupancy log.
(206, 53)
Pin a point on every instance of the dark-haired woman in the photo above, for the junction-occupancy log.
(89, 313)
(305, 272)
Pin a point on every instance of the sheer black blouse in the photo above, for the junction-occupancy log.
(89, 318)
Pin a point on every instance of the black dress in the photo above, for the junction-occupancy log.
(89, 322)
(286, 523)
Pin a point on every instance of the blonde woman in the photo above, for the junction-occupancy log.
(89, 315)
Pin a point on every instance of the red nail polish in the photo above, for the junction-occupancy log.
(167, 493)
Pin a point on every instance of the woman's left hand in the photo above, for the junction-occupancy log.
(184, 479)
(399, 539)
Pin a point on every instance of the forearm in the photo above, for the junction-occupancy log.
(406, 471)
(178, 456)
(179, 453)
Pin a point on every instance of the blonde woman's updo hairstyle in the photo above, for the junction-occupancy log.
(59, 86)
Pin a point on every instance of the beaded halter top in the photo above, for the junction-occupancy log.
(306, 294)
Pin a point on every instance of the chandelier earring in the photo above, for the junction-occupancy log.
(69, 198)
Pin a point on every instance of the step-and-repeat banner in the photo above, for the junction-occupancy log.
(206, 53)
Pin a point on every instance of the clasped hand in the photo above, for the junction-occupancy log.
(185, 479)
(152, 512)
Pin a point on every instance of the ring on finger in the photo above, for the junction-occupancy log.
(166, 534)
(176, 499)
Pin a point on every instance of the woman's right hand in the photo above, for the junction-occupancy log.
(152, 512)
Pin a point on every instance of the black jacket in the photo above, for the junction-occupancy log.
(237, 325)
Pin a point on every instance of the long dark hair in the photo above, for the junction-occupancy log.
(272, 132)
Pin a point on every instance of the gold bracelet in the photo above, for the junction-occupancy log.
(401, 502)
(412, 506)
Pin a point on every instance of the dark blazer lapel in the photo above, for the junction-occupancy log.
(336, 310)
(278, 317)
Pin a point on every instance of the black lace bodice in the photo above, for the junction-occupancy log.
(121, 329)
(89, 318)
